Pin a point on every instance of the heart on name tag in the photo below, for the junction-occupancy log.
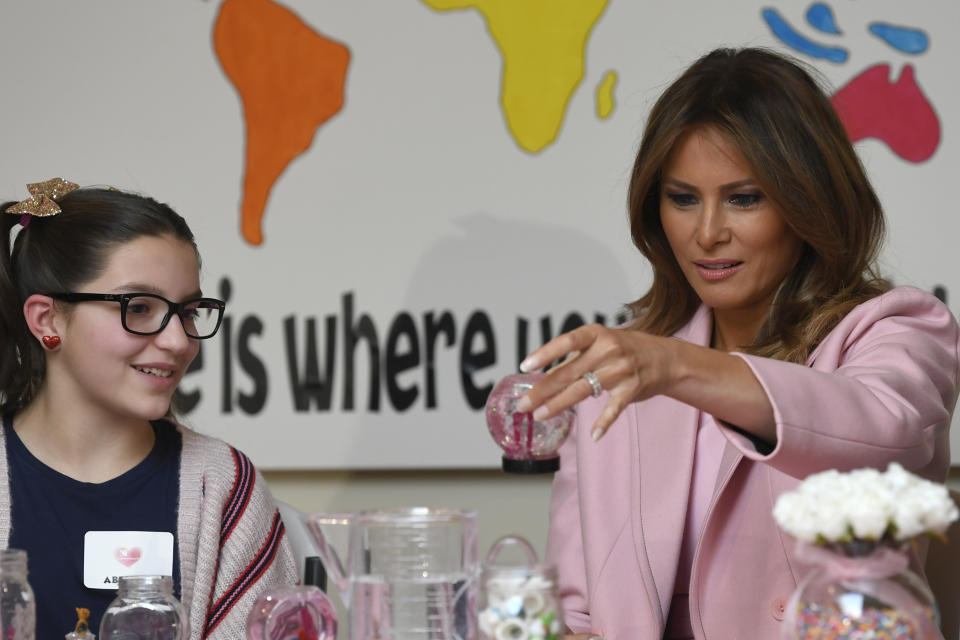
(127, 556)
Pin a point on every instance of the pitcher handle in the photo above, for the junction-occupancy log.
(329, 556)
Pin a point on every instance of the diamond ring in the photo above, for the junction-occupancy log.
(591, 377)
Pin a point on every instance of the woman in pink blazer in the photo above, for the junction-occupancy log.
(767, 349)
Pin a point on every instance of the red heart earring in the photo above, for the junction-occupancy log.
(51, 342)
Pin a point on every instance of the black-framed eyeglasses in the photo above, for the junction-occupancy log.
(145, 314)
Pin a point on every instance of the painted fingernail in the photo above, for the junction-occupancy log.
(540, 413)
(528, 365)
(524, 404)
(596, 434)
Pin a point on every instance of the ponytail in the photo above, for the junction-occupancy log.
(21, 361)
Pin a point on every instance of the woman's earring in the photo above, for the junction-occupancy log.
(51, 342)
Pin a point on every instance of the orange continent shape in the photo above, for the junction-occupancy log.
(290, 80)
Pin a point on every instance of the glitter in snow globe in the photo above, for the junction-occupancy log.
(529, 446)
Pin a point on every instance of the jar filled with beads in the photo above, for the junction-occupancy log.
(518, 601)
(861, 591)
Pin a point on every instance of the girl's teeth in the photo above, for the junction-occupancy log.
(163, 373)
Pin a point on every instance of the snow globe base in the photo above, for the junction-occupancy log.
(542, 465)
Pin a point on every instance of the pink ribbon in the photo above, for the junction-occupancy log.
(862, 574)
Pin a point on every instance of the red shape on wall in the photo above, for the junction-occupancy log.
(897, 113)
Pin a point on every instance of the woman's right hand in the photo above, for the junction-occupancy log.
(629, 365)
(634, 365)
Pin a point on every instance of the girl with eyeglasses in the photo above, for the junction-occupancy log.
(101, 314)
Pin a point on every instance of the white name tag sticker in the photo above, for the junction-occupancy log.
(109, 555)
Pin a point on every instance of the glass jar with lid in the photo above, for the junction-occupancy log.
(518, 601)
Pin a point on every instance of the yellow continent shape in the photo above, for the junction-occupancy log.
(543, 45)
(605, 100)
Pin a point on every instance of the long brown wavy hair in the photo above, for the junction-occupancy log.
(774, 111)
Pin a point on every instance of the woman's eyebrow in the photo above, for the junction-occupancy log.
(746, 182)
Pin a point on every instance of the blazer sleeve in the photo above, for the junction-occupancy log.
(565, 538)
(881, 387)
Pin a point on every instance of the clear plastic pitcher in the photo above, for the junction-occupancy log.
(404, 574)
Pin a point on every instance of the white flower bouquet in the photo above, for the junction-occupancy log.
(867, 505)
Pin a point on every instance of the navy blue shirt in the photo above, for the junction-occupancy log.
(51, 512)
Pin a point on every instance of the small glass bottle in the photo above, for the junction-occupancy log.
(145, 609)
(81, 631)
(17, 605)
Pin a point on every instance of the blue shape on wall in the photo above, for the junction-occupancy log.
(788, 35)
(820, 17)
(901, 38)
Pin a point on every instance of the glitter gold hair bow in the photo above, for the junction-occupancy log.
(42, 200)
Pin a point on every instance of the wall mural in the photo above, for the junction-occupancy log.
(399, 199)
(871, 105)
(291, 79)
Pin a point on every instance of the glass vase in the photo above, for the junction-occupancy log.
(860, 591)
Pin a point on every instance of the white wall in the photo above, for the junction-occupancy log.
(415, 197)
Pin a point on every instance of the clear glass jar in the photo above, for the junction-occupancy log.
(145, 609)
(17, 605)
(861, 591)
(518, 602)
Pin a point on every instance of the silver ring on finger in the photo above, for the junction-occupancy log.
(594, 381)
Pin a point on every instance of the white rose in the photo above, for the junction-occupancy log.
(487, 620)
(869, 516)
(537, 629)
(791, 514)
(511, 629)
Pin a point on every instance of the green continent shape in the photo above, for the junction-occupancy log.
(543, 44)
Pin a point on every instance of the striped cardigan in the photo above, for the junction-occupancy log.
(232, 542)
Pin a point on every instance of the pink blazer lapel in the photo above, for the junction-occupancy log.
(664, 437)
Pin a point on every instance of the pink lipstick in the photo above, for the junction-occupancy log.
(718, 269)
